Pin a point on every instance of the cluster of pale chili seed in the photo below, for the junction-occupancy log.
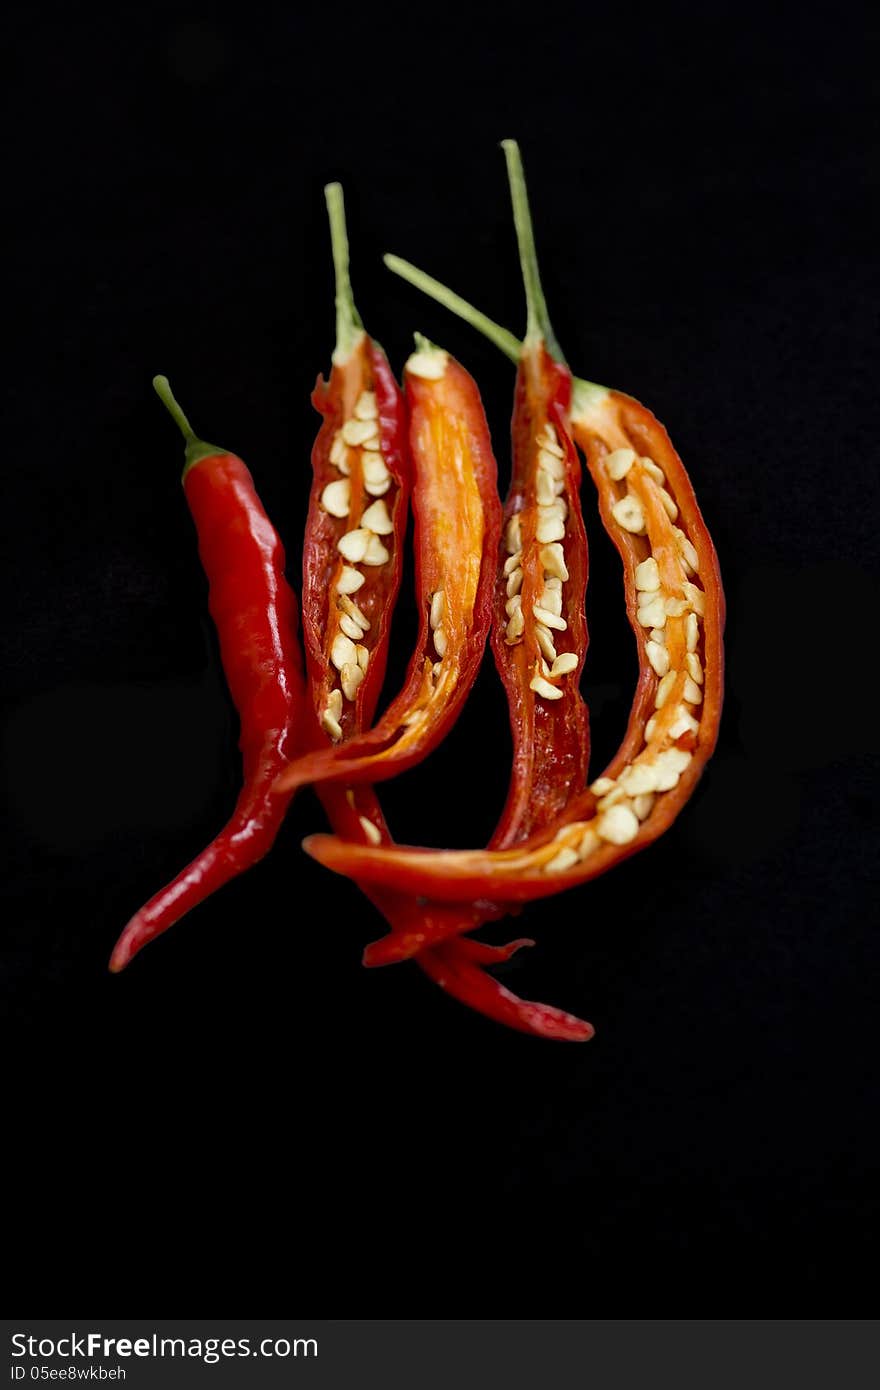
(547, 608)
(361, 545)
(670, 606)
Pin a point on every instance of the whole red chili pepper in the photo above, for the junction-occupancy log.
(675, 603)
(539, 635)
(457, 525)
(255, 615)
(360, 371)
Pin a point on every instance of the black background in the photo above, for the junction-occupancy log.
(246, 1115)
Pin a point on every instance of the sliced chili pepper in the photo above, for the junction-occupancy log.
(354, 811)
(539, 636)
(457, 526)
(675, 603)
(255, 614)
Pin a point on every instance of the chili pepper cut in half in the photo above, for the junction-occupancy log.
(539, 635)
(457, 526)
(675, 603)
(339, 595)
(255, 614)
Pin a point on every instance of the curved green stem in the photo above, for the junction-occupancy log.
(349, 326)
(509, 345)
(195, 448)
(586, 395)
(538, 325)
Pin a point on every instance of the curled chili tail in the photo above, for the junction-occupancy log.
(450, 968)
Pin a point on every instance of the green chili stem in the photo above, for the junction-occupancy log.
(538, 324)
(348, 321)
(450, 300)
(195, 448)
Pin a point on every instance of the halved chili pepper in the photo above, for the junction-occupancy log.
(675, 603)
(359, 369)
(539, 635)
(457, 525)
(255, 614)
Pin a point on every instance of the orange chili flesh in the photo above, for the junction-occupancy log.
(675, 604)
(457, 526)
(354, 811)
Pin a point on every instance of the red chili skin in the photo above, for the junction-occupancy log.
(255, 614)
(445, 415)
(458, 969)
(518, 874)
(550, 738)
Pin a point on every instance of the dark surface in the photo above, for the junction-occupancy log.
(246, 1099)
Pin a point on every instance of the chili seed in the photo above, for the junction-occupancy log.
(588, 842)
(331, 725)
(512, 604)
(647, 575)
(669, 765)
(551, 461)
(336, 497)
(565, 859)
(377, 479)
(684, 723)
(565, 663)
(342, 653)
(372, 832)
(652, 613)
(658, 635)
(629, 515)
(639, 779)
(353, 545)
(550, 527)
(653, 470)
(366, 408)
(363, 656)
(696, 598)
(430, 364)
(438, 608)
(650, 729)
(674, 607)
(551, 599)
(350, 628)
(377, 519)
(357, 432)
(354, 612)
(602, 786)
(512, 562)
(349, 581)
(668, 505)
(440, 643)
(375, 553)
(514, 582)
(350, 678)
(694, 667)
(643, 804)
(544, 688)
(658, 657)
(545, 642)
(514, 535)
(692, 692)
(618, 825)
(552, 558)
(619, 462)
(544, 489)
(515, 627)
(543, 615)
(664, 688)
(691, 632)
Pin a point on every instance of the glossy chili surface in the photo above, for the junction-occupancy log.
(255, 614)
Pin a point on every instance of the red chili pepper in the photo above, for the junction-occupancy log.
(255, 614)
(457, 525)
(354, 812)
(539, 635)
(675, 603)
